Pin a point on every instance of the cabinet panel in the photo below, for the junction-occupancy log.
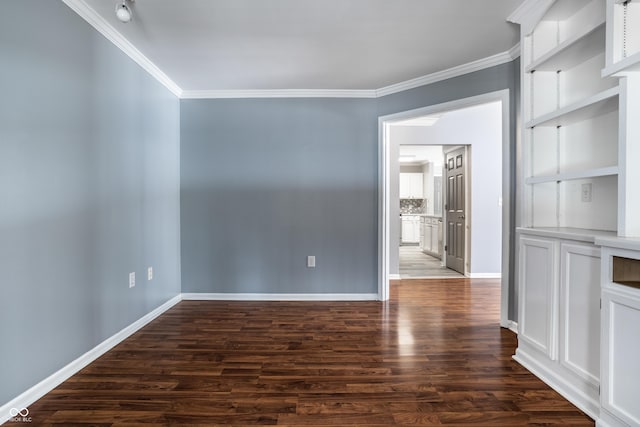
(434, 238)
(538, 289)
(411, 185)
(580, 311)
(621, 317)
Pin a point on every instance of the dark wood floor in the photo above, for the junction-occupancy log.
(434, 354)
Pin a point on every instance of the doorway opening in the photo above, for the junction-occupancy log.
(475, 189)
(421, 199)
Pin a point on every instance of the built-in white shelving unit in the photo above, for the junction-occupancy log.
(580, 187)
(580, 201)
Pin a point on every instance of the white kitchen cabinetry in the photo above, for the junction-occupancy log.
(410, 229)
(559, 314)
(411, 186)
(431, 227)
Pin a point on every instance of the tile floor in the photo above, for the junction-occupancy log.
(415, 263)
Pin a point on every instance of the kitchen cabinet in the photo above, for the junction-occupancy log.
(411, 186)
(431, 230)
(410, 229)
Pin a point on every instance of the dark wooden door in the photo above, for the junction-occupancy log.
(455, 209)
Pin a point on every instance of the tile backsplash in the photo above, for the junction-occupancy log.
(409, 206)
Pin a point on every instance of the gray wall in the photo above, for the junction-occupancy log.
(89, 191)
(266, 182)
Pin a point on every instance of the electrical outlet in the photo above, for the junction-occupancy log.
(132, 279)
(586, 193)
(311, 261)
(150, 273)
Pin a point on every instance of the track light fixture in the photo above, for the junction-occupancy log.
(123, 12)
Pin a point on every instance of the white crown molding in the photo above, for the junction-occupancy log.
(279, 93)
(277, 297)
(529, 13)
(87, 13)
(107, 30)
(470, 67)
(515, 51)
(54, 380)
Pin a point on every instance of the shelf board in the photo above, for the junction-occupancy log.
(572, 51)
(596, 105)
(569, 176)
(631, 63)
(569, 233)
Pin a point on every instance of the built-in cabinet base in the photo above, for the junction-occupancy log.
(559, 314)
(620, 362)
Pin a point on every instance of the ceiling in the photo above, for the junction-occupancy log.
(309, 44)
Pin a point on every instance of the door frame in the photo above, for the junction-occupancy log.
(384, 181)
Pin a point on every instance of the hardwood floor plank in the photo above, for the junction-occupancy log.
(433, 355)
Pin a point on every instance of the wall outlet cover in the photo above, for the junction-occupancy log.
(150, 273)
(132, 279)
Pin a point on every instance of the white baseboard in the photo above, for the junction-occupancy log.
(512, 326)
(278, 297)
(45, 386)
(485, 275)
(583, 402)
(394, 277)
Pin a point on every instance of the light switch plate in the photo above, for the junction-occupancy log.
(311, 261)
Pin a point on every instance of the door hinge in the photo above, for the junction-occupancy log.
(600, 303)
(445, 248)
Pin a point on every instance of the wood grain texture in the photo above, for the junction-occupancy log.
(433, 355)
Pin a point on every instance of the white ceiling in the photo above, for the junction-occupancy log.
(310, 44)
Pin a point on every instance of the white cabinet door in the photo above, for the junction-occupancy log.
(579, 348)
(538, 294)
(621, 355)
(427, 237)
(410, 229)
(411, 186)
(417, 186)
(434, 237)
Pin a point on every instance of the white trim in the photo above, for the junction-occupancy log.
(278, 93)
(394, 277)
(45, 386)
(574, 395)
(277, 297)
(94, 19)
(470, 67)
(515, 51)
(512, 326)
(529, 13)
(485, 275)
(384, 183)
(481, 64)
(114, 36)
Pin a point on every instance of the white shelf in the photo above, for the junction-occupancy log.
(631, 63)
(569, 176)
(572, 51)
(569, 233)
(596, 105)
